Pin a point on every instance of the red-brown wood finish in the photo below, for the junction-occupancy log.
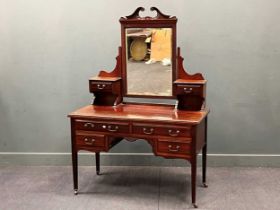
(190, 89)
(136, 21)
(138, 112)
(117, 70)
(107, 86)
(173, 132)
(92, 126)
(107, 90)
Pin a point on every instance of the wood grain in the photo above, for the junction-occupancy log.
(135, 112)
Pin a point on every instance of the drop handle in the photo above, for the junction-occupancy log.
(187, 90)
(89, 141)
(171, 149)
(172, 133)
(100, 87)
(111, 128)
(148, 131)
(89, 125)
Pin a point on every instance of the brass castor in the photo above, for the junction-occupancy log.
(75, 192)
(195, 206)
(204, 185)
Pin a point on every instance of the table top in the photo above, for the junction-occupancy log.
(183, 81)
(110, 79)
(140, 112)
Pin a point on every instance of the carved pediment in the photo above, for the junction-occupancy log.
(136, 15)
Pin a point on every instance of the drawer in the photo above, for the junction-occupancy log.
(91, 140)
(184, 89)
(163, 130)
(102, 126)
(86, 125)
(97, 86)
(115, 127)
(173, 147)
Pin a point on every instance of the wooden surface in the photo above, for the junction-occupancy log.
(183, 81)
(179, 132)
(182, 72)
(171, 133)
(100, 78)
(136, 21)
(140, 112)
(160, 17)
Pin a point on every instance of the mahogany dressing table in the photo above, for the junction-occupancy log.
(148, 66)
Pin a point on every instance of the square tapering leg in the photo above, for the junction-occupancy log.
(97, 162)
(74, 158)
(204, 156)
(193, 182)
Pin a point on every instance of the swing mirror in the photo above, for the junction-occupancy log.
(148, 54)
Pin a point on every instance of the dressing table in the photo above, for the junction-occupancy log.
(148, 66)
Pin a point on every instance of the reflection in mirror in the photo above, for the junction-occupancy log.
(149, 63)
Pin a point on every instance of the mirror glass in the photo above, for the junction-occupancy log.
(149, 61)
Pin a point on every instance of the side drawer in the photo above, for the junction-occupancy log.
(163, 130)
(99, 86)
(184, 89)
(90, 140)
(87, 125)
(174, 147)
(102, 126)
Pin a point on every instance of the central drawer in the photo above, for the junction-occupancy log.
(102, 126)
(161, 130)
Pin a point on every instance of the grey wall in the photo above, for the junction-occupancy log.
(49, 49)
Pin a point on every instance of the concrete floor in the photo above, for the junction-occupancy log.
(131, 188)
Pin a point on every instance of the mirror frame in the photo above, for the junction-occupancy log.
(136, 21)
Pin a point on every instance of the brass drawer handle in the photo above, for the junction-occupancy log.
(89, 141)
(100, 87)
(187, 90)
(171, 133)
(110, 128)
(170, 149)
(87, 125)
(148, 132)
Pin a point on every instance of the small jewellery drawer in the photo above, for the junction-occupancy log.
(96, 86)
(93, 140)
(164, 130)
(182, 89)
(102, 126)
(165, 146)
